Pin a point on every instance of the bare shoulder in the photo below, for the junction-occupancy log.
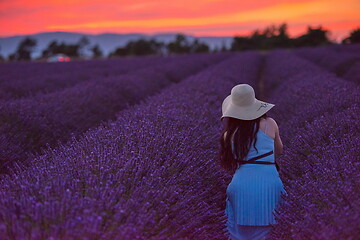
(270, 119)
(272, 122)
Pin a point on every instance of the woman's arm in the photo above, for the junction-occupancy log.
(278, 146)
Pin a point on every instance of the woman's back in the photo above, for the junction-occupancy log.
(255, 188)
(264, 143)
(265, 140)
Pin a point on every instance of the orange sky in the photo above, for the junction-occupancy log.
(196, 17)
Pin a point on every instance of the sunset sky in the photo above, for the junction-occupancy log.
(196, 17)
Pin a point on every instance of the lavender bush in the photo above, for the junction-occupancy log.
(317, 118)
(32, 123)
(353, 48)
(278, 69)
(323, 199)
(353, 73)
(21, 79)
(327, 58)
(151, 174)
(296, 96)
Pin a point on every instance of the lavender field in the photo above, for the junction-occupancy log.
(128, 148)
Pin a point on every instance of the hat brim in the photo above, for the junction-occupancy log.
(256, 110)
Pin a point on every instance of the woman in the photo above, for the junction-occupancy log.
(248, 145)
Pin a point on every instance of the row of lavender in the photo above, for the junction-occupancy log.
(30, 124)
(21, 79)
(318, 121)
(354, 47)
(151, 174)
(344, 64)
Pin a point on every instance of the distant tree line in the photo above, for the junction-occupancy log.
(27, 46)
(143, 47)
(269, 38)
(71, 50)
(277, 37)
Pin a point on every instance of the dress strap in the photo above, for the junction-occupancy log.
(253, 160)
(265, 125)
(260, 156)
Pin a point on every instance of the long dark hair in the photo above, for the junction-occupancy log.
(241, 133)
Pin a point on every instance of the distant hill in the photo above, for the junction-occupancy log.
(107, 41)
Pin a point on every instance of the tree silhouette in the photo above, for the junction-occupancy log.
(223, 47)
(198, 47)
(242, 43)
(83, 41)
(51, 49)
(1, 57)
(277, 37)
(270, 31)
(179, 46)
(271, 37)
(283, 31)
(97, 53)
(82, 44)
(54, 47)
(353, 38)
(258, 39)
(313, 37)
(141, 47)
(282, 38)
(23, 52)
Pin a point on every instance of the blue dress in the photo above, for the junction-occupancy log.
(253, 194)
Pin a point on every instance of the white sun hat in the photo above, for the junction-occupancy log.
(242, 104)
